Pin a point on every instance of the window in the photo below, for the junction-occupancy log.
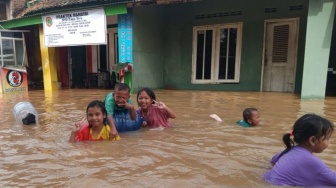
(12, 50)
(8, 52)
(216, 53)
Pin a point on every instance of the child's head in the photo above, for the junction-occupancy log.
(310, 131)
(122, 87)
(96, 113)
(121, 93)
(251, 116)
(145, 97)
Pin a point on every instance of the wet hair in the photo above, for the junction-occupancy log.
(99, 104)
(122, 87)
(149, 92)
(305, 127)
(247, 113)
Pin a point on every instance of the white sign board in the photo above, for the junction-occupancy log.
(86, 27)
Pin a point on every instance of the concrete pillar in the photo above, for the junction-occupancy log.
(320, 21)
(48, 65)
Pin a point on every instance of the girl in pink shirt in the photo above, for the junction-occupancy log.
(153, 113)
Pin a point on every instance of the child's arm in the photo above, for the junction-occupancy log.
(72, 138)
(75, 129)
(130, 107)
(171, 113)
(114, 132)
(109, 105)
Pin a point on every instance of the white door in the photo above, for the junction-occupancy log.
(280, 55)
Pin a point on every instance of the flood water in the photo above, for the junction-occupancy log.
(196, 152)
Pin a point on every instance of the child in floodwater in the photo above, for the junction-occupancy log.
(93, 127)
(153, 113)
(251, 118)
(296, 165)
(121, 114)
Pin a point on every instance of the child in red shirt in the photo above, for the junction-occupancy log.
(93, 127)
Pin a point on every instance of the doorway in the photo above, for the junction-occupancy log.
(103, 57)
(280, 55)
(78, 66)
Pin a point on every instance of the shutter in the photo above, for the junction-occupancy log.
(280, 44)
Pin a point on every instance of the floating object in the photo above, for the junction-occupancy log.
(157, 128)
(26, 113)
(216, 117)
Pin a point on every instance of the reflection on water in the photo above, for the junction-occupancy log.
(198, 151)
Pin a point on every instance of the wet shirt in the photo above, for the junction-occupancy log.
(111, 106)
(299, 167)
(156, 117)
(243, 123)
(85, 133)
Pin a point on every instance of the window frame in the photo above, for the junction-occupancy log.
(13, 40)
(216, 28)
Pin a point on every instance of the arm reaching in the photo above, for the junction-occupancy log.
(161, 105)
(114, 132)
(130, 107)
(75, 129)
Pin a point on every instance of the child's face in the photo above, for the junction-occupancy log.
(121, 97)
(255, 118)
(95, 116)
(321, 144)
(144, 101)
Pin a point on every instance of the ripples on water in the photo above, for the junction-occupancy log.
(196, 152)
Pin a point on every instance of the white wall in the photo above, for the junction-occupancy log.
(110, 20)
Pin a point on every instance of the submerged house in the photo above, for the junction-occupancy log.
(227, 45)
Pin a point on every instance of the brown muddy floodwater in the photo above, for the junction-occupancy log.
(197, 152)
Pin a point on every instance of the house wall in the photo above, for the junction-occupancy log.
(317, 50)
(175, 34)
(112, 31)
(331, 78)
(148, 46)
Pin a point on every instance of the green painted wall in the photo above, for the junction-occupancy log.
(148, 45)
(319, 32)
(177, 21)
(331, 78)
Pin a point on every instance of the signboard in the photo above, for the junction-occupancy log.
(125, 36)
(84, 27)
(13, 80)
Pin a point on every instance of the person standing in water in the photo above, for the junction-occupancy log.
(154, 113)
(297, 165)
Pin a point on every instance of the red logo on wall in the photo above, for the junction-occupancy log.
(14, 78)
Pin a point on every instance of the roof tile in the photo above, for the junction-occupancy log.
(49, 6)
(46, 6)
